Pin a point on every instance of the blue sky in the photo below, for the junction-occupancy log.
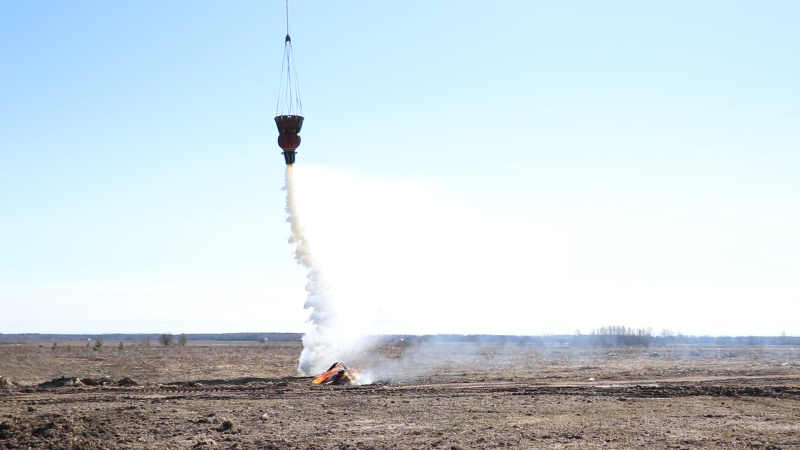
(627, 163)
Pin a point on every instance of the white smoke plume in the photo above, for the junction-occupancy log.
(326, 342)
(411, 258)
(401, 258)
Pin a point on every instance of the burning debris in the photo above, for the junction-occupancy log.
(337, 375)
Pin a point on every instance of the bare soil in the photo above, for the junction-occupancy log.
(248, 396)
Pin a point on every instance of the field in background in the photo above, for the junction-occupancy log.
(446, 395)
(33, 363)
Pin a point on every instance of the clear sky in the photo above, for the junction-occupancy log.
(516, 167)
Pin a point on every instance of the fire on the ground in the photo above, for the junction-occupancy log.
(337, 375)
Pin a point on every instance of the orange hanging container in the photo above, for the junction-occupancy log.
(289, 138)
(289, 112)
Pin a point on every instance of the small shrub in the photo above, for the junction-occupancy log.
(227, 424)
(166, 339)
(55, 345)
(121, 346)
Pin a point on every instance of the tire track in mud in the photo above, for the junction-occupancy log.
(784, 387)
(781, 386)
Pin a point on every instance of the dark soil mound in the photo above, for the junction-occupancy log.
(127, 382)
(102, 381)
(61, 382)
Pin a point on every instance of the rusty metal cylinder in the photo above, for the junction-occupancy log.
(289, 138)
(289, 129)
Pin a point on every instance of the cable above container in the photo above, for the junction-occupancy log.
(289, 111)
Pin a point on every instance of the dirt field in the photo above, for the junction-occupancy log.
(247, 396)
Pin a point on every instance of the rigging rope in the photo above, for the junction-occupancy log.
(289, 93)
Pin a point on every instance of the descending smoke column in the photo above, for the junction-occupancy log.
(322, 344)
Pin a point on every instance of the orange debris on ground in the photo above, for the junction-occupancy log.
(337, 375)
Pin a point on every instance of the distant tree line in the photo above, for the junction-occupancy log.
(608, 336)
(155, 337)
(615, 335)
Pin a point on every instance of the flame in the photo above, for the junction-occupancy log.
(337, 375)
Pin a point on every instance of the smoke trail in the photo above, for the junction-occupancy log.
(323, 345)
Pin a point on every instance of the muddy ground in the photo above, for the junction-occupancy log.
(450, 396)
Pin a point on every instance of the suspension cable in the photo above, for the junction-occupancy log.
(289, 92)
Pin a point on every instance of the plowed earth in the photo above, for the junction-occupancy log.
(451, 397)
